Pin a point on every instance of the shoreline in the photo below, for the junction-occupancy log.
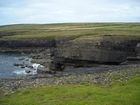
(81, 52)
(104, 77)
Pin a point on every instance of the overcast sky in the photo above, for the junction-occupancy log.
(63, 11)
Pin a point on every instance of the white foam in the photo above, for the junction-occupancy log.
(35, 65)
(20, 72)
(23, 72)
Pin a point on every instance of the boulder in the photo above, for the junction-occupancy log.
(45, 62)
(29, 66)
(43, 70)
(27, 71)
(21, 65)
(21, 59)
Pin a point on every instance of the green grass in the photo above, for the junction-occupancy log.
(69, 30)
(125, 93)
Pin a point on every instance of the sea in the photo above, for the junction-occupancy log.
(7, 68)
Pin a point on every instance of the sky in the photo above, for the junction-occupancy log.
(66, 11)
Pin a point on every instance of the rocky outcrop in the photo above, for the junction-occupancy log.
(23, 65)
(62, 54)
(43, 70)
(25, 45)
(138, 49)
(7, 34)
(98, 49)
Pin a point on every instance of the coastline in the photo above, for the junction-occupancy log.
(104, 77)
(88, 53)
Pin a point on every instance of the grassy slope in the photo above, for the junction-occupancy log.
(51, 31)
(126, 93)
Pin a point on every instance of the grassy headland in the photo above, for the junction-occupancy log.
(68, 30)
(116, 93)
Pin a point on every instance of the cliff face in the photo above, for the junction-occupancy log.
(98, 49)
(25, 45)
(81, 51)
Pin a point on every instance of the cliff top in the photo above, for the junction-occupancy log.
(68, 30)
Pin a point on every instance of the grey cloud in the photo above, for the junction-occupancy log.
(50, 11)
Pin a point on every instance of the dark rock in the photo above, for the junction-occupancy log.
(98, 49)
(27, 71)
(25, 45)
(21, 59)
(124, 63)
(29, 66)
(80, 52)
(32, 55)
(44, 62)
(133, 58)
(22, 67)
(27, 59)
(15, 64)
(138, 49)
(42, 70)
(57, 66)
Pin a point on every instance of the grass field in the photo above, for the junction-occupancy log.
(125, 93)
(69, 30)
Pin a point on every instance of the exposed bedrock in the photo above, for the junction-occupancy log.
(98, 49)
(62, 54)
(138, 49)
(25, 45)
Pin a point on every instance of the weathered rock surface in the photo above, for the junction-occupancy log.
(81, 52)
(98, 49)
(27, 71)
(23, 65)
(24, 45)
(42, 70)
(138, 49)
(45, 62)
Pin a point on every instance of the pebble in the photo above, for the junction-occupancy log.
(104, 78)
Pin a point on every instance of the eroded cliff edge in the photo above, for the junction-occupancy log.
(25, 45)
(78, 52)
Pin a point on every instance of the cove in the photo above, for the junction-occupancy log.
(7, 68)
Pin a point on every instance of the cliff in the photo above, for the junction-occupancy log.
(97, 49)
(25, 45)
(81, 52)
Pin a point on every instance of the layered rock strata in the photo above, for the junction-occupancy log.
(97, 49)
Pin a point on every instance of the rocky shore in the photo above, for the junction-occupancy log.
(104, 77)
(88, 52)
(95, 60)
